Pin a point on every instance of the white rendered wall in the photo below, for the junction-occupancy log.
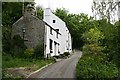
(54, 38)
(64, 39)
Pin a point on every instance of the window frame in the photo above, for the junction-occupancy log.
(51, 32)
(54, 21)
(50, 43)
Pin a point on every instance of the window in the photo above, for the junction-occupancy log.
(56, 34)
(118, 4)
(51, 44)
(53, 21)
(58, 48)
(50, 30)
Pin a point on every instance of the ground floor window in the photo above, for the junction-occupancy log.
(51, 41)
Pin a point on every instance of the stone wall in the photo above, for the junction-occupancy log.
(34, 30)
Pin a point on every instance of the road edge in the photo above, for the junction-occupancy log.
(39, 70)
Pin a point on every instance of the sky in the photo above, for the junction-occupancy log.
(73, 6)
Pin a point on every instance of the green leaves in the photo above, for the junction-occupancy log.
(93, 35)
(76, 23)
(90, 67)
(100, 52)
(39, 12)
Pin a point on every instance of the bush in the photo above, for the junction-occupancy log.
(39, 51)
(18, 47)
(28, 53)
(66, 53)
(90, 67)
(56, 57)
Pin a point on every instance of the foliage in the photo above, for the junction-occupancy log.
(18, 46)
(100, 52)
(13, 62)
(56, 56)
(77, 25)
(6, 39)
(92, 68)
(93, 36)
(9, 61)
(39, 12)
(116, 45)
(28, 53)
(39, 51)
(9, 16)
(66, 53)
(99, 38)
(104, 9)
(92, 39)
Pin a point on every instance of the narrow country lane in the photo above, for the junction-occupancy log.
(61, 69)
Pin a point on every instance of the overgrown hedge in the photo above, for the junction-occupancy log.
(39, 51)
(93, 68)
(17, 46)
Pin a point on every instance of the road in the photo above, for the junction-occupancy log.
(62, 69)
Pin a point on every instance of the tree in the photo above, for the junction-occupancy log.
(11, 12)
(39, 12)
(92, 41)
(77, 25)
(116, 45)
(105, 9)
(9, 16)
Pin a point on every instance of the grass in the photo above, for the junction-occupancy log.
(33, 64)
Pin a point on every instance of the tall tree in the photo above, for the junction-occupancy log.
(11, 12)
(105, 9)
(39, 12)
(76, 23)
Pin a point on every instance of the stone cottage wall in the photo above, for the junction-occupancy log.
(34, 30)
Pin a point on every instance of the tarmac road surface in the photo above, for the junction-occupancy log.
(62, 69)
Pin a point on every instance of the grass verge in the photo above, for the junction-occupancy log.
(10, 65)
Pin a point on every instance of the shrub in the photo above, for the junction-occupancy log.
(28, 53)
(39, 51)
(56, 57)
(66, 53)
(18, 47)
(89, 67)
(61, 56)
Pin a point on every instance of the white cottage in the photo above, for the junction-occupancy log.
(50, 33)
(57, 36)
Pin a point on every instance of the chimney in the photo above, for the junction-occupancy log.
(47, 12)
(29, 10)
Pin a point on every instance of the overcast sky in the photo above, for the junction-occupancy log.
(73, 6)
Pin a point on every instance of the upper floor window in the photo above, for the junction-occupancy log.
(53, 21)
(50, 30)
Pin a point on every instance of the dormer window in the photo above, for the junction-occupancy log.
(53, 21)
